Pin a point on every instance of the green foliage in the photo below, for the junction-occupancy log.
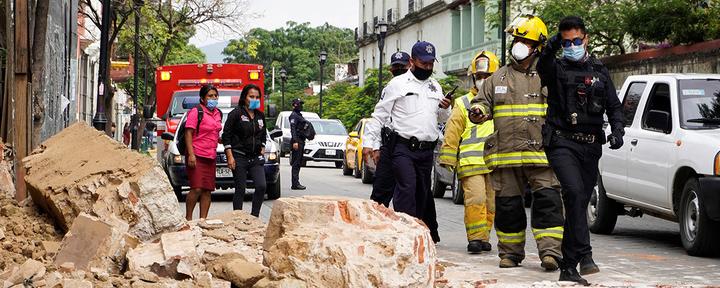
(679, 21)
(296, 48)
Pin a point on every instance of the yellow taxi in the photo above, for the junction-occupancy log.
(353, 162)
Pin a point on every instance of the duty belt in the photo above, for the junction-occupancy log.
(414, 144)
(576, 136)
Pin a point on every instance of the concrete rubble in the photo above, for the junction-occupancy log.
(81, 170)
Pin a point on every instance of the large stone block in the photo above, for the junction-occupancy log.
(82, 170)
(346, 242)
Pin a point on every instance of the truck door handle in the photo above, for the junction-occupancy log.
(634, 142)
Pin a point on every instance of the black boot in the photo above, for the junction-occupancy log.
(298, 187)
(571, 274)
(588, 266)
(474, 247)
(486, 246)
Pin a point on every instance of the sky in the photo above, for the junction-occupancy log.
(274, 13)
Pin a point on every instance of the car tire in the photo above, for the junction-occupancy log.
(436, 186)
(699, 233)
(338, 164)
(458, 195)
(356, 171)
(346, 171)
(366, 175)
(274, 189)
(602, 212)
(178, 192)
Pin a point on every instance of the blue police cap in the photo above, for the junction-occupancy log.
(400, 58)
(423, 51)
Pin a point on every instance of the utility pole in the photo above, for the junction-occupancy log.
(503, 39)
(21, 85)
(134, 122)
(99, 121)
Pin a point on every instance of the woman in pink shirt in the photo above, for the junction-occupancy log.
(201, 143)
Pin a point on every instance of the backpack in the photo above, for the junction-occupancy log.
(307, 130)
(182, 148)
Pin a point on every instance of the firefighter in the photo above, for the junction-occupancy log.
(465, 140)
(581, 92)
(514, 99)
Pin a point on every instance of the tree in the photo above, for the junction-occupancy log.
(677, 21)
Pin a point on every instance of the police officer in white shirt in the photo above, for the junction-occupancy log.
(411, 105)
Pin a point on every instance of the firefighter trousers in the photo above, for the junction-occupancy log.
(479, 206)
(576, 166)
(510, 219)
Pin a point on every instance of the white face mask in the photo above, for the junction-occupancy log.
(479, 83)
(520, 51)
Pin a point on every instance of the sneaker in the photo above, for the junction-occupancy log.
(570, 274)
(298, 187)
(508, 263)
(486, 246)
(549, 263)
(588, 266)
(474, 247)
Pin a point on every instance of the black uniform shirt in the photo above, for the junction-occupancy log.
(243, 134)
(296, 119)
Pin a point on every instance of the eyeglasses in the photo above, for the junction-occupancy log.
(577, 42)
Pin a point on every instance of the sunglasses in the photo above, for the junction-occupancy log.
(567, 42)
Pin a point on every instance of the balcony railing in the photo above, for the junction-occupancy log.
(460, 59)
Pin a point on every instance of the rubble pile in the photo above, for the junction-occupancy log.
(7, 186)
(80, 169)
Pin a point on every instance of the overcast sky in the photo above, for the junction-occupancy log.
(274, 14)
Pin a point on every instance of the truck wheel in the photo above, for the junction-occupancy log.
(436, 186)
(338, 164)
(602, 212)
(458, 195)
(273, 189)
(356, 170)
(178, 192)
(346, 171)
(699, 234)
(366, 176)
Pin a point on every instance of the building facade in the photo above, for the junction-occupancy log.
(458, 29)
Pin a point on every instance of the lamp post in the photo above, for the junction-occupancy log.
(381, 29)
(503, 38)
(135, 145)
(99, 120)
(283, 78)
(323, 58)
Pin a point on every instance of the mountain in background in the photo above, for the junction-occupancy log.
(213, 52)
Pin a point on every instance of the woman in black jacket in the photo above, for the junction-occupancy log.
(244, 138)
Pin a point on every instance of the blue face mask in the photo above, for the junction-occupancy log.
(254, 104)
(574, 53)
(212, 104)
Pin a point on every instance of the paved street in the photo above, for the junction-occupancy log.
(642, 251)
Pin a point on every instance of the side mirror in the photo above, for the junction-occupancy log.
(167, 136)
(276, 133)
(658, 120)
(353, 134)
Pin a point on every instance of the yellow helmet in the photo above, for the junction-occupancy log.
(478, 65)
(529, 27)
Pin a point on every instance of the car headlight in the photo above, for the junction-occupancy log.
(178, 159)
(717, 164)
(271, 156)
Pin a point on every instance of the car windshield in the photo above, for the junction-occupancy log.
(176, 107)
(699, 103)
(328, 127)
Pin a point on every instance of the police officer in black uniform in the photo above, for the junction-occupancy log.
(580, 92)
(297, 143)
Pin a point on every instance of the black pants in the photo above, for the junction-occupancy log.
(255, 168)
(412, 190)
(384, 182)
(296, 157)
(576, 167)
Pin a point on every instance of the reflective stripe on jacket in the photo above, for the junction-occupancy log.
(470, 137)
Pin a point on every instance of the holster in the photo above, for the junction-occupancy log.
(547, 135)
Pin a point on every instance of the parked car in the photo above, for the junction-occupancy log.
(174, 163)
(327, 146)
(669, 166)
(283, 123)
(353, 163)
(443, 178)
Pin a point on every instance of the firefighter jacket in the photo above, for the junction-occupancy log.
(465, 140)
(514, 99)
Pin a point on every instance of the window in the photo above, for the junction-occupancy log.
(365, 30)
(375, 21)
(411, 6)
(631, 100)
(658, 109)
(389, 16)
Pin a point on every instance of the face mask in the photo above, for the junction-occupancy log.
(398, 72)
(479, 83)
(574, 53)
(520, 51)
(254, 104)
(211, 104)
(297, 107)
(421, 74)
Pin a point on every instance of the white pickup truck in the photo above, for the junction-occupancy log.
(669, 166)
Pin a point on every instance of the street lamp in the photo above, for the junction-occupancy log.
(381, 28)
(134, 144)
(99, 120)
(283, 78)
(323, 58)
